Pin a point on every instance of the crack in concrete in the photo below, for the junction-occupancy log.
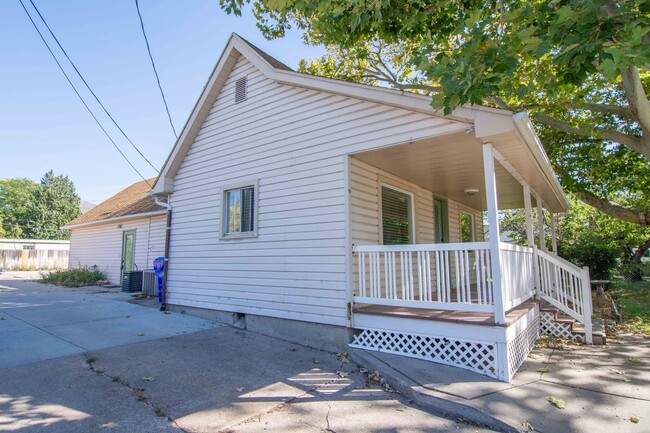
(90, 360)
(284, 404)
(327, 417)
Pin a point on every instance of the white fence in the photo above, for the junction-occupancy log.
(441, 276)
(33, 259)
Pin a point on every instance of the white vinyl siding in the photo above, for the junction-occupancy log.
(101, 245)
(365, 184)
(296, 142)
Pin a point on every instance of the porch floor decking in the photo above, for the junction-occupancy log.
(453, 316)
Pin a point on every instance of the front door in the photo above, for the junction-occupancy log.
(128, 252)
(440, 221)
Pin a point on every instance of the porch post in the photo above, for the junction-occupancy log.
(540, 222)
(493, 224)
(528, 208)
(553, 233)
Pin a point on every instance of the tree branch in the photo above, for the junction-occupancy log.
(631, 141)
(634, 216)
(606, 109)
(429, 9)
(499, 103)
(636, 96)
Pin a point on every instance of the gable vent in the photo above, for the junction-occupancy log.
(240, 90)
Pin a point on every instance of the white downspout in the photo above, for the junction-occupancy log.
(168, 229)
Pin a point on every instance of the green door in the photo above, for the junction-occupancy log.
(440, 221)
(128, 251)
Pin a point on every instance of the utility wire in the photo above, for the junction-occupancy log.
(79, 95)
(91, 90)
(153, 65)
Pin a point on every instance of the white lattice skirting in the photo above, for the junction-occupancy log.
(522, 345)
(549, 326)
(471, 355)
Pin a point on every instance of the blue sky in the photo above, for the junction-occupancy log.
(44, 126)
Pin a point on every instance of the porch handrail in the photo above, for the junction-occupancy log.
(422, 247)
(440, 276)
(566, 287)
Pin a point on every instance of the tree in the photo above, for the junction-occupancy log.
(54, 203)
(15, 194)
(582, 222)
(579, 67)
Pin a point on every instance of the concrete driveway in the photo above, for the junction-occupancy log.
(75, 361)
(39, 322)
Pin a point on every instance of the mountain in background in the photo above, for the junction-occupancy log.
(85, 206)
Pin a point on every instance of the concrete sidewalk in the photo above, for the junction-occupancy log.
(603, 387)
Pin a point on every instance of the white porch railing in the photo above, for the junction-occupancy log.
(567, 287)
(517, 274)
(440, 276)
(459, 277)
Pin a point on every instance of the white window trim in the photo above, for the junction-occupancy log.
(472, 224)
(254, 183)
(411, 213)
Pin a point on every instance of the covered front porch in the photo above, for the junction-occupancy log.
(429, 279)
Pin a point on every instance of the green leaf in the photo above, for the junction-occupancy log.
(559, 403)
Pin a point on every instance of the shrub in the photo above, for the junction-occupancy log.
(600, 257)
(79, 277)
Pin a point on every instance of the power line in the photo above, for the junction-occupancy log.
(153, 65)
(79, 95)
(88, 86)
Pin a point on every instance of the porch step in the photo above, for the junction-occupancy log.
(554, 322)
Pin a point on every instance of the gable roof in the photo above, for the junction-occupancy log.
(270, 59)
(487, 122)
(130, 202)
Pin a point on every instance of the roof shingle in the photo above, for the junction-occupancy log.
(130, 201)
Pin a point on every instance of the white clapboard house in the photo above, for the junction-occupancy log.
(124, 233)
(339, 213)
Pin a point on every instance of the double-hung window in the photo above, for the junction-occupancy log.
(239, 211)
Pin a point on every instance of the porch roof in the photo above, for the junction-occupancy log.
(451, 164)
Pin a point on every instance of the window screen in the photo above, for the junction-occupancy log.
(240, 210)
(396, 216)
(466, 229)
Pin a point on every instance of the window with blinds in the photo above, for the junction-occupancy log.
(396, 216)
(240, 211)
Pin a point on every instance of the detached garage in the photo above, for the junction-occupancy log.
(122, 234)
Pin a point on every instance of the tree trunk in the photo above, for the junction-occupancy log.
(640, 251)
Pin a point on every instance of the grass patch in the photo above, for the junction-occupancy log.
(633, 300)
(75, 277)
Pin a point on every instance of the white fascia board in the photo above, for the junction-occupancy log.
(381, 95)
(117, 219)
(164, 183)
(237, 46)
(527, 131)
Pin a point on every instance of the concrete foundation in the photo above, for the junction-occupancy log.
(315, 335)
